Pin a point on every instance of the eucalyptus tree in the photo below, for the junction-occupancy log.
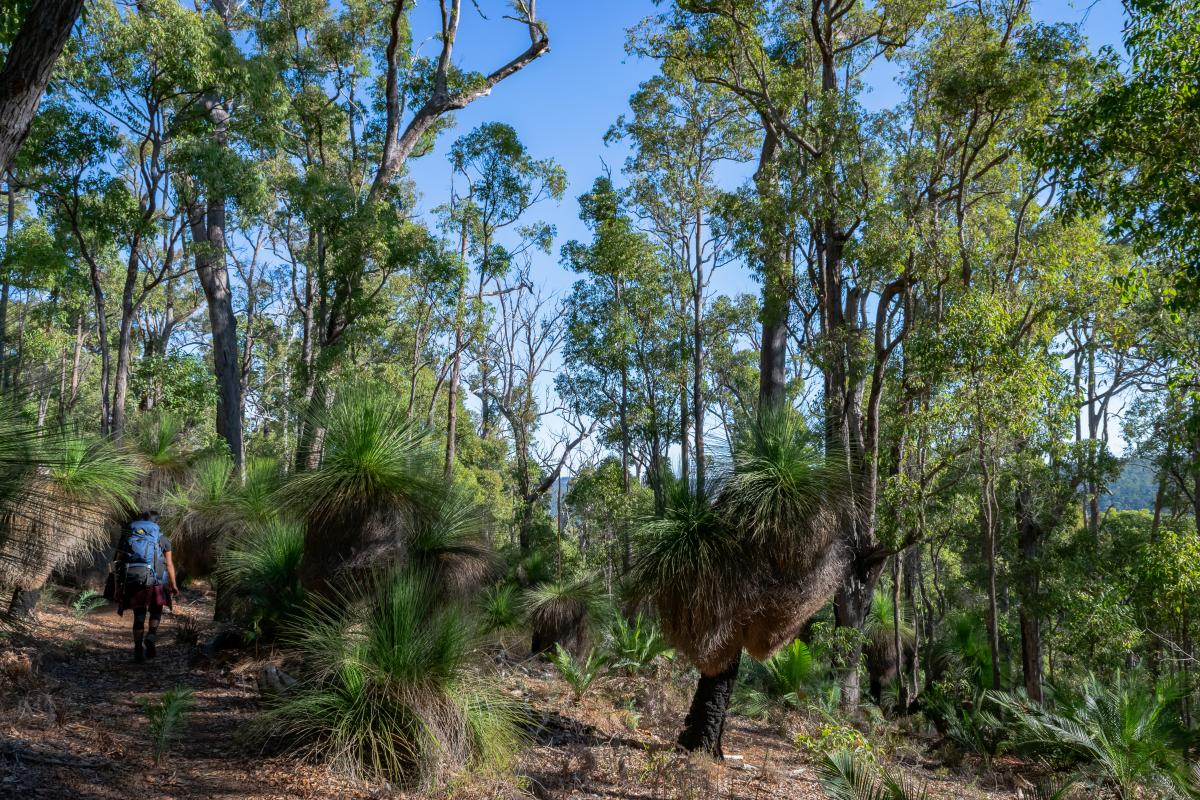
(620, 338)
(502, 183)
(349, 217)
(682, 131)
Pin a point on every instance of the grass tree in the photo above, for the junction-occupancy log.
(378, 498)
(745, 563)
(884, 664)
(562, 613)
(57, 505)
(388, 692)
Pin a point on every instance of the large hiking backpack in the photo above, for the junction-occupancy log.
(142, 556)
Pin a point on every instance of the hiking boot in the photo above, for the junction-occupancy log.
(137, 654)
(149, 648)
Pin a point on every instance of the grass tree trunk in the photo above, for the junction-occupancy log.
(704, 726)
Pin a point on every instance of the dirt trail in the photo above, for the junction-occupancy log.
(73, 725)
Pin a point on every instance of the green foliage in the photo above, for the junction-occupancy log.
(388, 692)
(834, 737)
(1120, 733)
(166, 716)
(88, 601)
(261, 567)
(792, 671)
(845, 775)
(500, 609)
(634, 646)
(580, 673)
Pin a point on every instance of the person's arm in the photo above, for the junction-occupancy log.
(171, 573)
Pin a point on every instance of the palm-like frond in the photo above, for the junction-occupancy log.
(1123, 733)
(846, 776)
(633, 646)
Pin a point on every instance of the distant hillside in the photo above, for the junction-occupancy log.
(1134, 489)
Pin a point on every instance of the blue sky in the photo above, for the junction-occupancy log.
(562, 104)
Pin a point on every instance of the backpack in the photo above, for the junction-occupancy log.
(142, 555)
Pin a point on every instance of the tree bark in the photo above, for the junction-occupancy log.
(772, 381)
(207, 222)
(40, 40)
(704, 725)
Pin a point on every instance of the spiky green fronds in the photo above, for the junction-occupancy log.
(634, 646)
(843, 775)
(500, 609)
(783, 490)
(564, 612)
(880, 624)
(158, 442)
(63, 505)
(390, 694)
(579, 673)
(374, 455)
(261, 566)
(166, 717)
(447, 543)
(379, 481)
(1120, 733)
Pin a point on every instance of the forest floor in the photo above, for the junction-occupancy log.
(73, 725)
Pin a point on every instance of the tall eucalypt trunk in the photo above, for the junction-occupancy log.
(206, 220)
(704, 725)
(40, 40)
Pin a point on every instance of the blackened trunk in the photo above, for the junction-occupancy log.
(705, 722)
(23, 604)
(851, 605)
(40, 40)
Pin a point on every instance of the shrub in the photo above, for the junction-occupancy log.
(388, 693)
(633, 646)
(87, 602)
(166, 720)
(261, 567)
(1121, 734)
(845, 775)
(581, 673)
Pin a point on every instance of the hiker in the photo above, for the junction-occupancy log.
(145, 580)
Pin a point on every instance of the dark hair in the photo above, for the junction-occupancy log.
(149, 516)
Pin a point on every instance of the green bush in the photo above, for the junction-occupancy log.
(261, 567)
(581, 673)
(388, 693)
(633, 646)
(1122, 734)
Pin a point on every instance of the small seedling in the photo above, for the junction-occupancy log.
(166, 720)
(579, 674)
(87, 602)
